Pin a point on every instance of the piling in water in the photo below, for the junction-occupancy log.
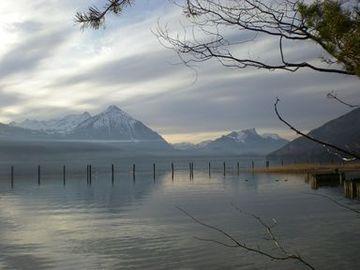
(192, 170)
(64, 175)
(209, 169)
(39, 175)
(224, 165)
(172, 171)
(112, 174)
(252, 165)
(238, 169)
(154, 171)
(90, 174)
(12, 176)
(352, 189)
(133, 170)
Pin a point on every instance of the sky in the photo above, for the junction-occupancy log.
(49, 67)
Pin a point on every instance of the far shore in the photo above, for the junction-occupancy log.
(309, 168)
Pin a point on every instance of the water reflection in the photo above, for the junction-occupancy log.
(135, 225)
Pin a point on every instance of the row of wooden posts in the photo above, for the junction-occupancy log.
(89, 171)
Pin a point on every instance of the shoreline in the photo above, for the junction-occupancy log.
(308, 168)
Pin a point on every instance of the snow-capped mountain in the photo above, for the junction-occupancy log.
(114, 124)
(246, 141)
(59, 125)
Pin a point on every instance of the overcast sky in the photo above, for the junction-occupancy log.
(49, 68)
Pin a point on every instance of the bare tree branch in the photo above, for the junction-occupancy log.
(333, 95)
(237, 244)
(210, 21)
(325, 144)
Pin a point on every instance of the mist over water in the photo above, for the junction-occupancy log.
(134, 224)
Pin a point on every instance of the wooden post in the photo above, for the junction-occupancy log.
(39, 173)
(252, 165)
(209, 169)
(87, 174)
(238, 169)
(112, 174)
(64, 175)
(134, 169)
(192, 170)
(267, 164)
(282, 163)
(90, 174)
(224, 169)
(154, 171)
(12, 176)
(172, 171)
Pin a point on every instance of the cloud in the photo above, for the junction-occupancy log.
(30, 52)
(135, 68)
(48, 68)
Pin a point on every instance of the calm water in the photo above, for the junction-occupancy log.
(136, 225)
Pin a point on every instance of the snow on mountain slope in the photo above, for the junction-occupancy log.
(114, 124)
(272, 136)
(62, 125)
(246, 141)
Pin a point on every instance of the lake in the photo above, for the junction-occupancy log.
(136, 223)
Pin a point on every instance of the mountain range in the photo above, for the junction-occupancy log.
(124, 132)
(343, 132)
(111, 124)
(114, 124)
(246, 141)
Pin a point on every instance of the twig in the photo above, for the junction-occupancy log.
(334, 96)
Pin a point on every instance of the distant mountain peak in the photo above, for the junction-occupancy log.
(271, 136)
(113, 108)
(242, 135)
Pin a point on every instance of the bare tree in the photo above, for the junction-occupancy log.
(270, 235)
